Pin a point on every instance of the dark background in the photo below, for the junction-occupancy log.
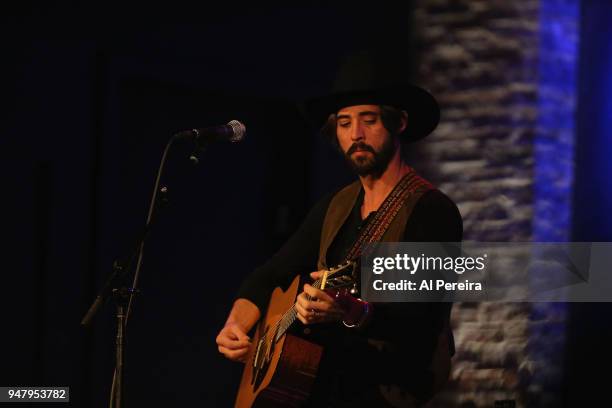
(91, 96)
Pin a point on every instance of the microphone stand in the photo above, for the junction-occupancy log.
(117, 284)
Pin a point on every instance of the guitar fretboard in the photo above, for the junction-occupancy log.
(290, 315)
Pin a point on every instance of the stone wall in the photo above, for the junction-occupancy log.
(483, 60)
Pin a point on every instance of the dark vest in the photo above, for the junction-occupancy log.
(341, 206)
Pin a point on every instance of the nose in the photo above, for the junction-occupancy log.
(357, 132)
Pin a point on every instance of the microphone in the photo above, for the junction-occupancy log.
(232, 132)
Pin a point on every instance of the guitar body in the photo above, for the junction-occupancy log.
(278, 373)
(281, 368)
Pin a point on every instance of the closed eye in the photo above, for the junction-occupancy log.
(369, 118)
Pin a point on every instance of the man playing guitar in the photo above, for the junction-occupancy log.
(395, 354)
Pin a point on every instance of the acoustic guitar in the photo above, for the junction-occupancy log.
(280, 367)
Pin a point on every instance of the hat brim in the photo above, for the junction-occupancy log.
(422, 109)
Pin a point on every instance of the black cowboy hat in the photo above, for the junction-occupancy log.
(368, 79)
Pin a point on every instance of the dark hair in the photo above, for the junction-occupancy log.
(390, 116)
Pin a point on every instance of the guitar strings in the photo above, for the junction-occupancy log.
(290, 315)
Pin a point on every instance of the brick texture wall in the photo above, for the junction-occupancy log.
(483, 59)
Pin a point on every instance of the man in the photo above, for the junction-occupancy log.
(374, 355)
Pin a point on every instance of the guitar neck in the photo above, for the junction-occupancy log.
(290, 316)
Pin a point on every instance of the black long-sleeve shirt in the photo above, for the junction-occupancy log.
(351, 368)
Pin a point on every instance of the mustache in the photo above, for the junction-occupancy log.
(360, 146)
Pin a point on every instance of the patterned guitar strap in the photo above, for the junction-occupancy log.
(376, 228)
(401, 195)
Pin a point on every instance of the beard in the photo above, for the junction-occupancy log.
(371, 165)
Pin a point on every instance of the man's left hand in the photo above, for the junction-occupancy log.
(320, 308)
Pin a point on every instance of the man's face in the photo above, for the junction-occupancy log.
(367, 145)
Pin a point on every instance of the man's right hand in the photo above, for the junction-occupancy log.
(233, 342)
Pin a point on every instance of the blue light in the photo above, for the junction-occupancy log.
(554, 140)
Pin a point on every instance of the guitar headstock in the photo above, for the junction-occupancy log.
(340, 276)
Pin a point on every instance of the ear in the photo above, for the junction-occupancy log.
(403, 121)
